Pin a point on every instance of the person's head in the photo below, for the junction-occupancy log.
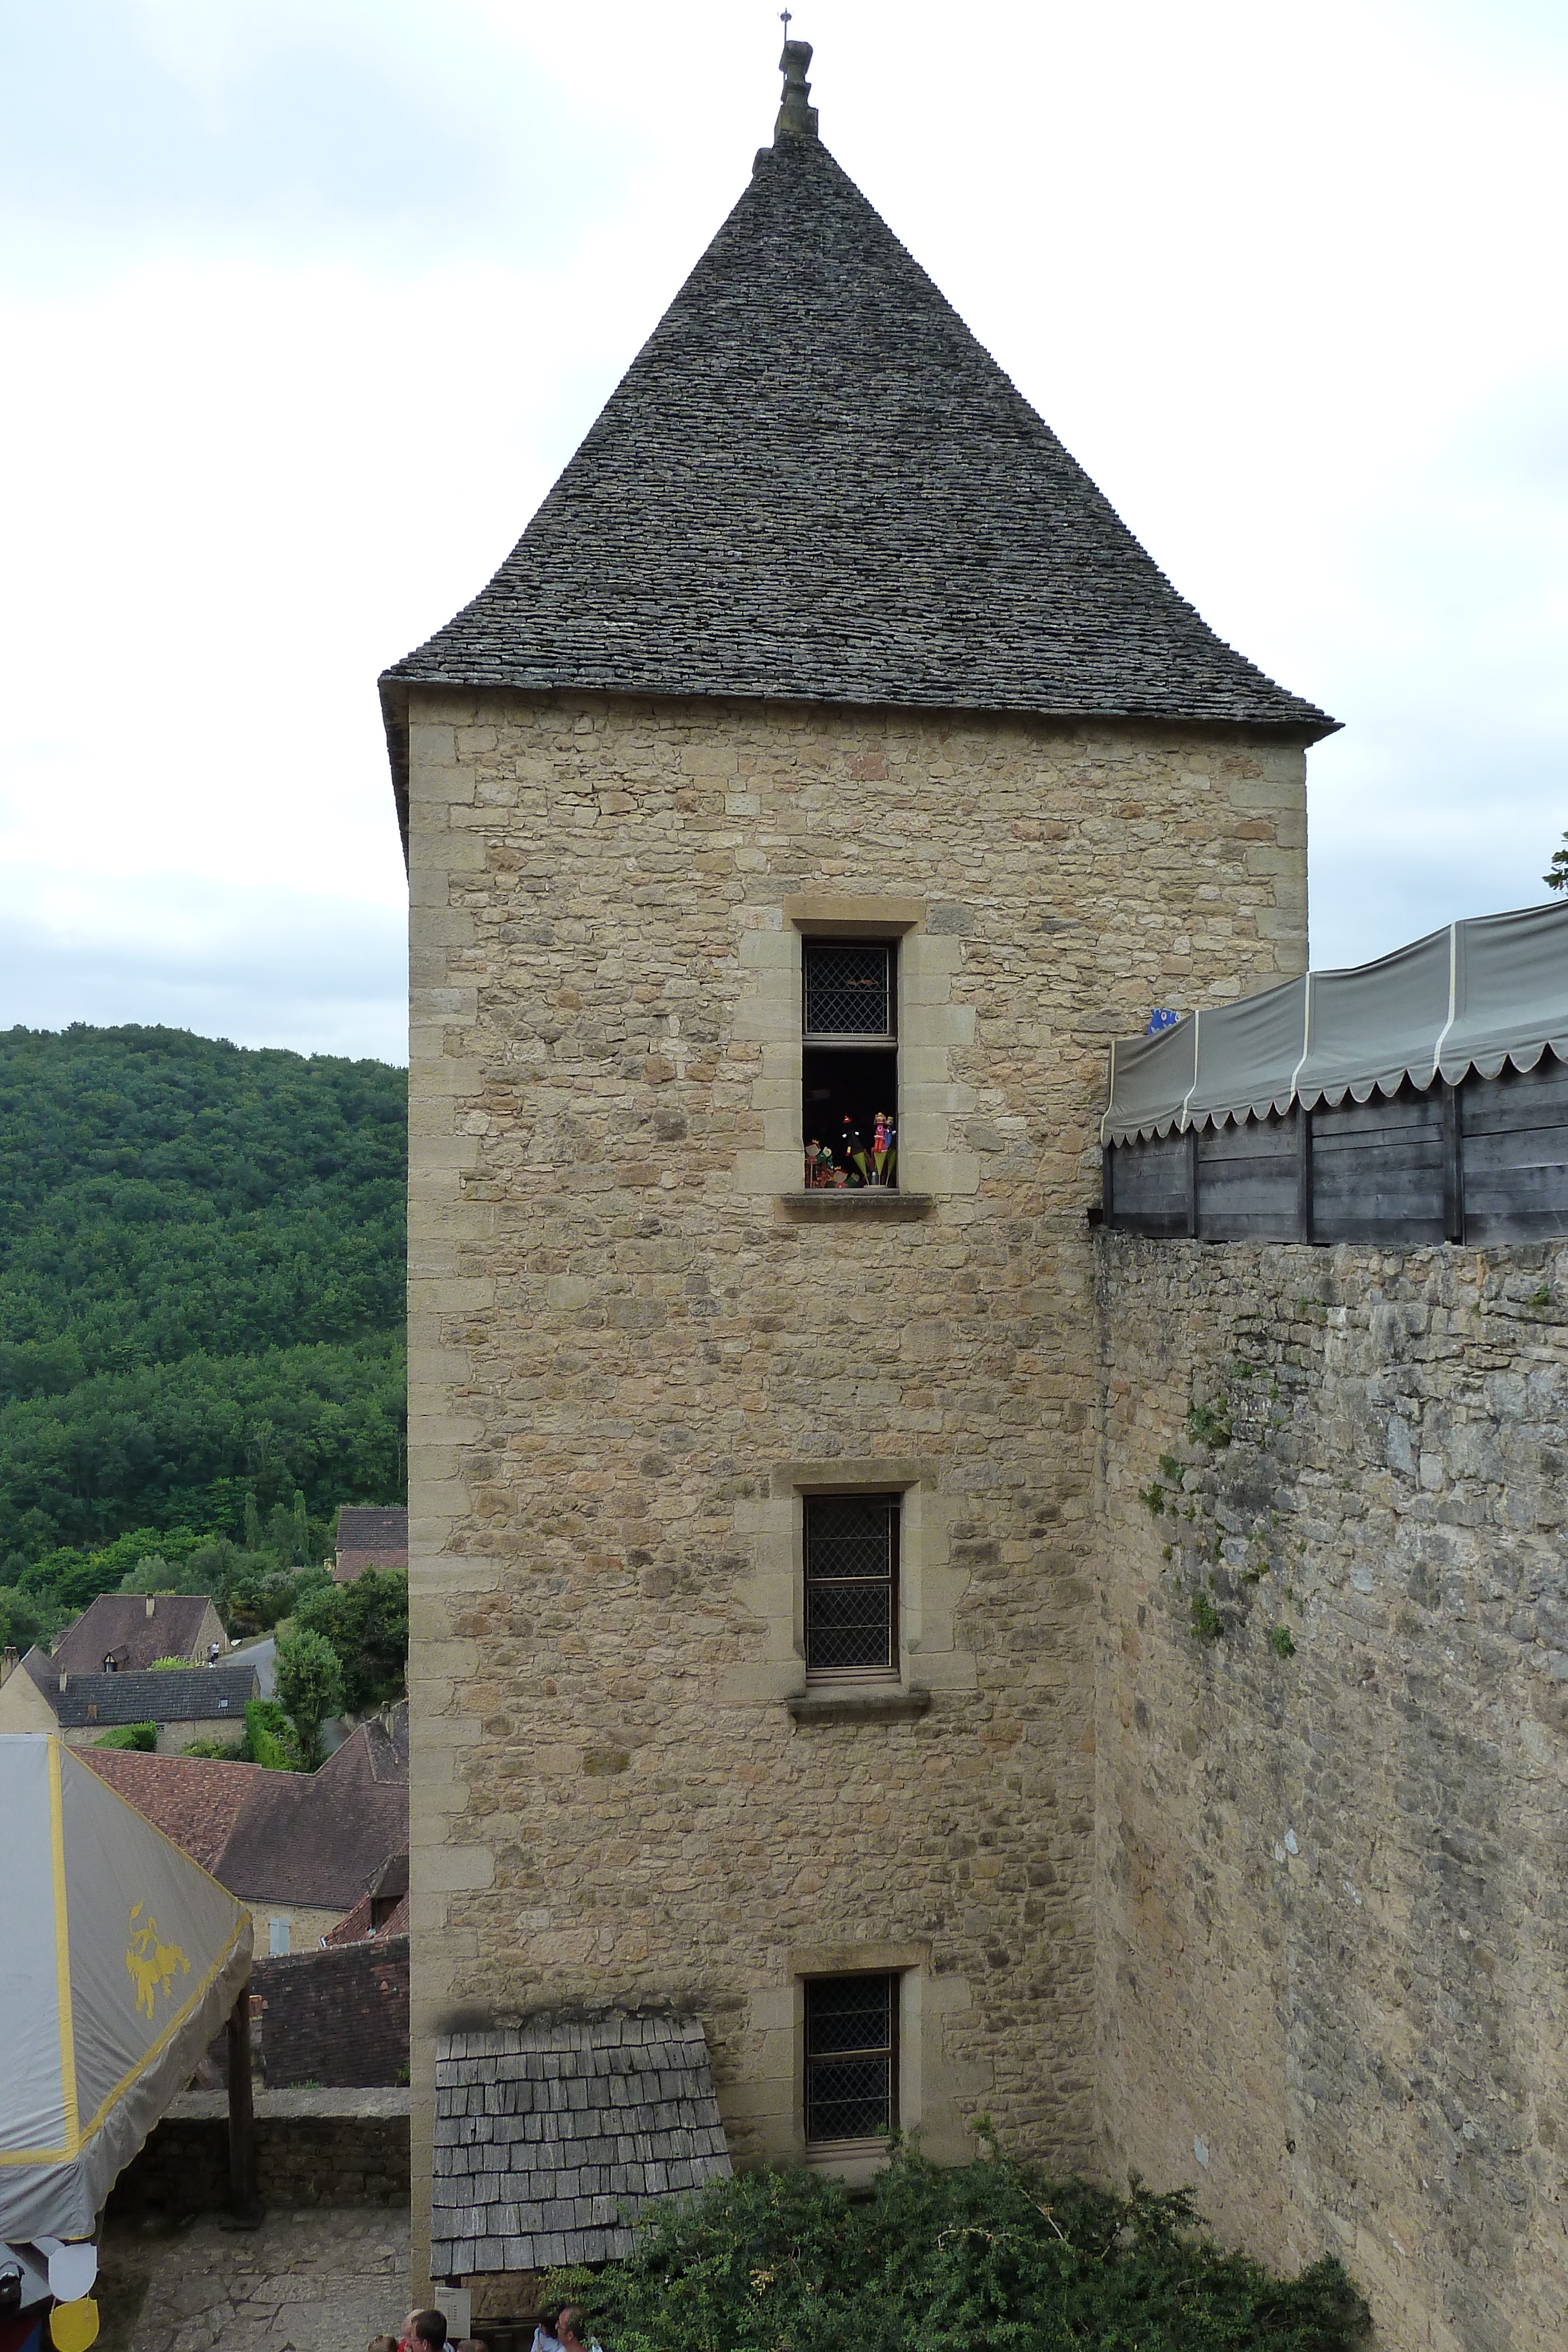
(382, 2344)
(424, 2331)
(571, 2329)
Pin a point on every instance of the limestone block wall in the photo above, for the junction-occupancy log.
(633, 1351)
(1331, 1891)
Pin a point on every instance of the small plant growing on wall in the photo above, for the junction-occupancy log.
(1205, 1618)
(1152, 1498)
(1209, 1424)
(1171, 1470)
(1279, 1641)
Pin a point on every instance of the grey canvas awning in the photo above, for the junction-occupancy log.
(1474, 996)
(552, 2141)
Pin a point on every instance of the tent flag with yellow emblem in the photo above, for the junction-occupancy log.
(119, 1959)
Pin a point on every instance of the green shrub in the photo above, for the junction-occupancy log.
(1205, 1618)
(1279, 1641)
(221, 1751)
(170, 1667)
(141, 1736)
(269, 1737)
(987, 2255)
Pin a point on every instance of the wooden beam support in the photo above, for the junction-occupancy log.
(1192, 1183)
(1304, 1174)
(1453, 1164)
(1108, 1184)
(243, 2190)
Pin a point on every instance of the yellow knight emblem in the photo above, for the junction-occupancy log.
(151, 1964)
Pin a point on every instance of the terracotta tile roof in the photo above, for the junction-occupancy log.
(814, 484)
(119, 1623)
(194, 1800)
(278, 1837)
(297, 1841)
(552, 2141)
(359, 1925)
(375, 1753)
(368, 1538)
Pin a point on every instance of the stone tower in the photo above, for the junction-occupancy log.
(826, 747)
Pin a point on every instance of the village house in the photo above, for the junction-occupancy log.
(821, 782)
(303, 1849)
(124, 1632)
(182, 1702)
(369, 1538)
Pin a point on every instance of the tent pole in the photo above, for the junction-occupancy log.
(242, 2192)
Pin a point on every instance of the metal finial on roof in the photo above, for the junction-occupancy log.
(796, 116)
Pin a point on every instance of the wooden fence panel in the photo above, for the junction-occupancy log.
(1485, 1162)
(1246, 1180)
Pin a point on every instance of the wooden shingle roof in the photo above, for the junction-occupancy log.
(814, 484)
(552, 2141)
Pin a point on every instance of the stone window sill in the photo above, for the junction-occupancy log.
(889, 1703)
(830, 2152)
(882, 1203)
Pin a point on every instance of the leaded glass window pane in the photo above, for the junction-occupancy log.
(849, 990)
(851, 2049)
(852, 1574)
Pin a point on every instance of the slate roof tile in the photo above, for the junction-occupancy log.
(180, 1695)
(814, 484)
(576, 2168)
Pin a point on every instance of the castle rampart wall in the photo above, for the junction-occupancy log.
(1330, 1897)
(633, 1351)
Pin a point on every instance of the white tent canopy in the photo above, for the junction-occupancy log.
(119, 1959)
(1473, 996)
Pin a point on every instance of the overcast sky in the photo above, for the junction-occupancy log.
(305, 303)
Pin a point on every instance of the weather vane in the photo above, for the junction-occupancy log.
(784, 20)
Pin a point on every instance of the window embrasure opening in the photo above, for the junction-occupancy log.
(852, 1587)
(850, 1063)
(852, 2058)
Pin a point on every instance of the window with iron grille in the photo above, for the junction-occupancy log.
(851, 1585)
(850, 1063)
(851, 2057)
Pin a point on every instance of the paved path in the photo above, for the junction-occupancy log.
(309, 2282)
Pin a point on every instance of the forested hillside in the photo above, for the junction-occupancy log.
(202, 1255)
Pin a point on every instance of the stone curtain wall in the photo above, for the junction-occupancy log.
(1331, 1889)
(628, 1358)
(338, 2017)
(301, 2160)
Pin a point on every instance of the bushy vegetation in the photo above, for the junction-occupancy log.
(366, 1623)
(201, 1255)
(142, 1737)
(990, 2253)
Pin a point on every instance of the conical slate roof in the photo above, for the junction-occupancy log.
(813, 483)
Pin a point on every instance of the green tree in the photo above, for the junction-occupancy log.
(311, 1688)
(1556, 874)
(202, 1276)
(269, 1737)
(367, 1624)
